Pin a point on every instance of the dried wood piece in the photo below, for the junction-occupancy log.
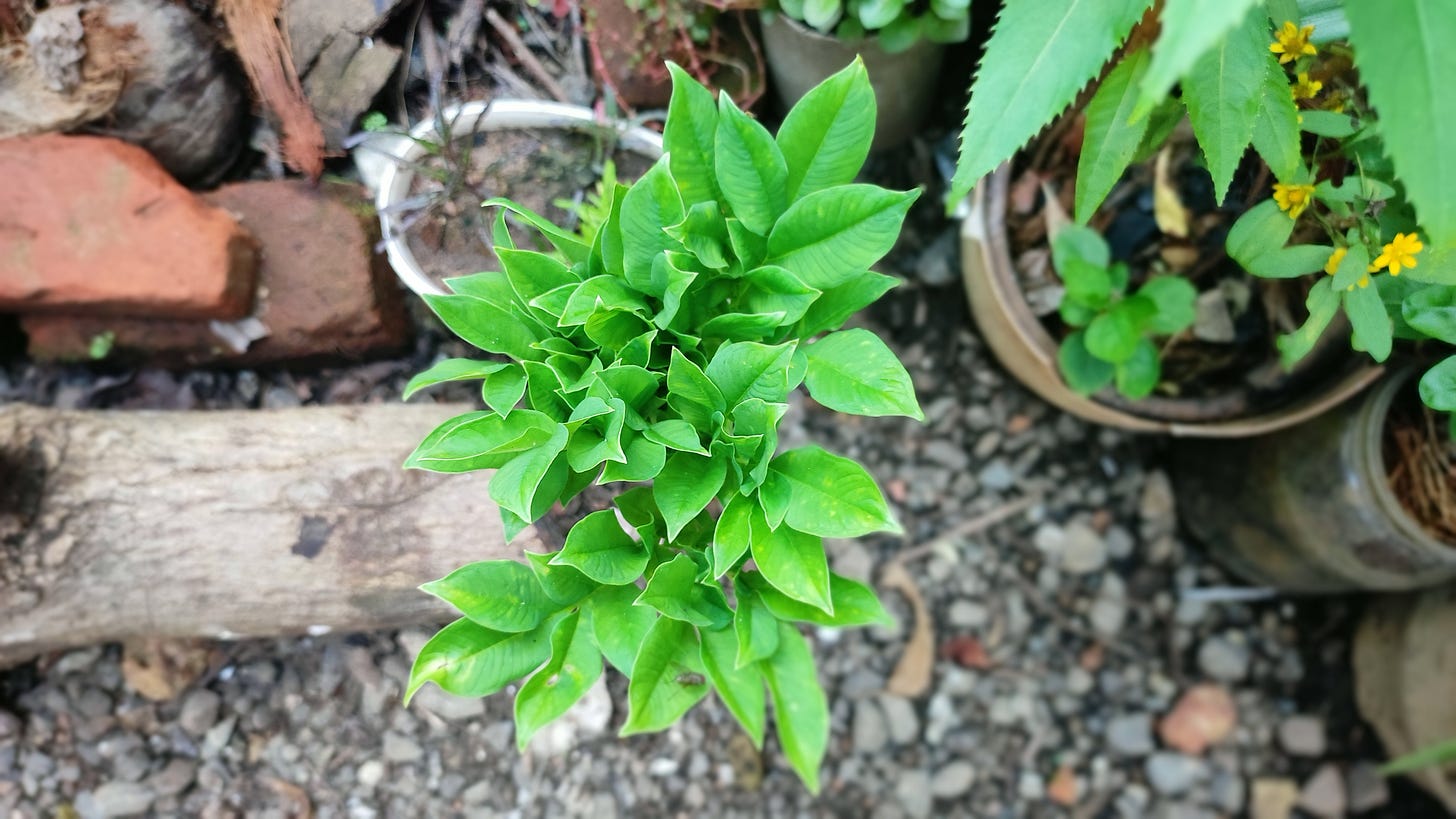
(131, 525)
(269, 65)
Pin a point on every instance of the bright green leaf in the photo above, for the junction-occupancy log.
(801, 711)
(1369, 323)
(498, 594)
(1174, 299)
(1323, 303)
(1084, 373)
(601, 550)
(1276, 126)
(675, 592)
(754, 625)
(1111, 137)
(826, 136)
(830, 496)
(451, 369)
(827, 237)
(574, 666)
(751, 169)
(1188, 29)
(1138, 376)
(853, 371)
(618, 626)
(685, 487)
(1223, 93)
(792, 562)
(469, 660)
(747, 369)
(741, 689)
(688, 137)
(854, 605)
(667, 678)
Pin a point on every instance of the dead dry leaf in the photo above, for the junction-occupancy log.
(299, 806)
(269, 65)
(912, 674)
(1168, 209)
(1063, 788)
(1055, 215)
(161, 669)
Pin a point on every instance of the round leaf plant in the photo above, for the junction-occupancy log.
(659, 351)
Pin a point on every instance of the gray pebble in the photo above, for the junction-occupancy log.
(901, 719)
(913, 793)
(116, 799)
(1324, 794)
(1224, 657)
(953, 779)
(400, 748)
(1083, 550)
(1171, 774)
(869, 729)
(1367, 788)
(174, 778)
(1303, 735)
(968, 614)
(997, 476)
(370, 773)
(1130, 734)
(199, 711)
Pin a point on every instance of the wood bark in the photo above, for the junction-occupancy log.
(228, 524)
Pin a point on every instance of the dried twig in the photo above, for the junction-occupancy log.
(974, 526)
(523, 53)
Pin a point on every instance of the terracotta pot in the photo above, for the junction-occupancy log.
(1310, 509)
(1403, 656)
(1028, 351)
(800, 58)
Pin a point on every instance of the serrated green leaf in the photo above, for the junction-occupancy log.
(1322, 303)
(469, 660)
(674, 591)
(1084, 373)
(1111, 137)
(688, 137)
(498, 594)
(1406, 62)
(599, 548)
(1138, 376)
(751, 168)
(481, 440)
(1369, 323)
(1039, 56)
(827, 237)
(754, 625)
(574, 666)
(1276, 127)
(618, 626)
(853, 371)
(1188, 29)
(1174, 301)
(1223, 93)
(854, 604)
(801, 711)
(685, 487)
(826, 136)
(748, 369)
(829, 496)
(741, 689)
(667, 677)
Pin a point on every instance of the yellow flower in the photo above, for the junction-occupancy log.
(1305, 88)
(1399, 253)
(1364, 283)
(1292, 42)
(1293, 199)
(1335, 258)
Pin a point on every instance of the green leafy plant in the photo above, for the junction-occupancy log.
(1113, 339)
(898, 24)
(1360, 137)
(661, 354)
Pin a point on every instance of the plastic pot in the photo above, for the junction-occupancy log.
(1028, 351)
(469, 117)
(799, 58)
(1310, 509)
(1403, 656)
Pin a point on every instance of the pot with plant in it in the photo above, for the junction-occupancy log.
(1359, 499)
(546, 155)
(902, 49)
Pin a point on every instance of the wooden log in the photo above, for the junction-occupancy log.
(228, 524)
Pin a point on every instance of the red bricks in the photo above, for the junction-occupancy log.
(94, 225)
(323, 291)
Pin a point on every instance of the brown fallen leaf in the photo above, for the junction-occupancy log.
(1205, 715)
(1023, 192)
(1168, 209)
(299, 805)
(967, 652)
(269, 65)
(161, 669)
(1063, 789)
(911, 677)
(1055, 215)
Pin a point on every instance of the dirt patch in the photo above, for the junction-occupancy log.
(540, 169)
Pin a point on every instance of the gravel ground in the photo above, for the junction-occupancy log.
(1064, 635)
(1082, 654)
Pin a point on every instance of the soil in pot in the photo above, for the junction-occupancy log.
(1227, 365)
(1421, 463)
(448, 231)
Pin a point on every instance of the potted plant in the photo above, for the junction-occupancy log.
(631, 41)
(900, 42)
(439, 171)
(1242, 81)
(660, 354)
